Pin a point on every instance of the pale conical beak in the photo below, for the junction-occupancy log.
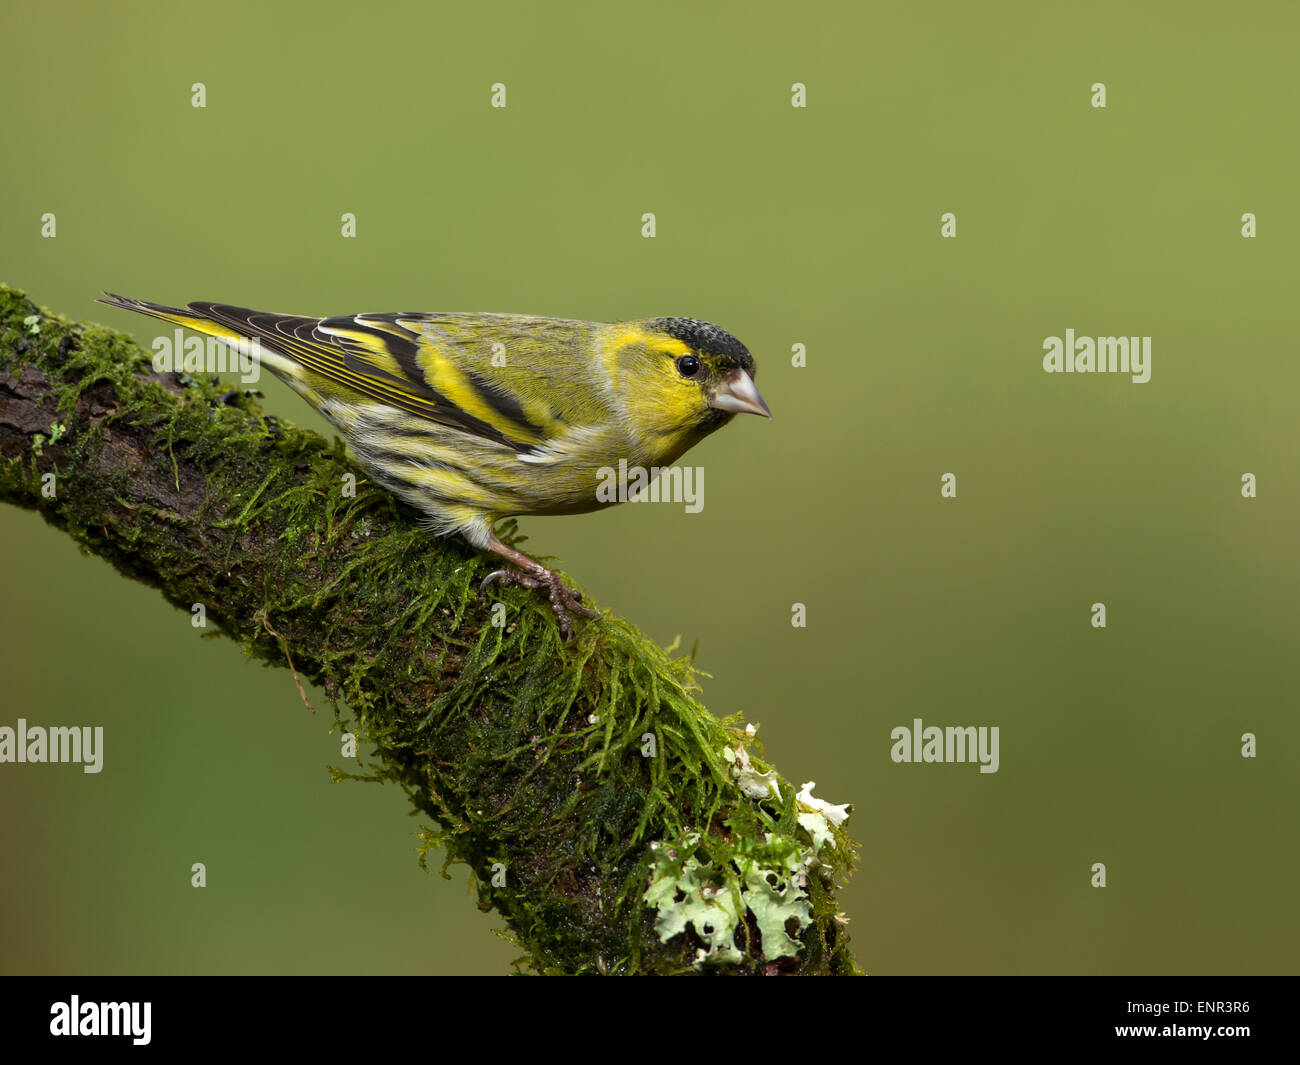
(736, 393)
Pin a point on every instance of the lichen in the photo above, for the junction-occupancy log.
(706, 890)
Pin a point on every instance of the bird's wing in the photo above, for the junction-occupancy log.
(518, 381)
(545, 372)
(380, 357)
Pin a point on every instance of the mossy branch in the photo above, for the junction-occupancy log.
(613, 822)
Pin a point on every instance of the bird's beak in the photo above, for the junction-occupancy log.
(736, 393)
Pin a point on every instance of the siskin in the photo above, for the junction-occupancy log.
(475, 417)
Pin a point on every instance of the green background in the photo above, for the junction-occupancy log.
(817, 226)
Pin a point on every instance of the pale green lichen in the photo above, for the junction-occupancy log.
(819, 818)
(711, 908)
(716, 887)
(753, 783)
(774, 894)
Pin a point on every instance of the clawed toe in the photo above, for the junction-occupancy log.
(563, 600)
(510, 576)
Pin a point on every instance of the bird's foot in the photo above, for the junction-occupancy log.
(563, 599)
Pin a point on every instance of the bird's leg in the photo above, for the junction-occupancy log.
(534, 575)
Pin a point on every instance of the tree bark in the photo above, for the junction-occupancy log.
(614, 823)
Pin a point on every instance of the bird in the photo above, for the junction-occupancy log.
(474, 417)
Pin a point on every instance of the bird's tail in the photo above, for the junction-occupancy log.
(190, 318)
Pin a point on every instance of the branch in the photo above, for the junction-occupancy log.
(613, 822)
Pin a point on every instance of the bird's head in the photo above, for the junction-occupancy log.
(685, 379)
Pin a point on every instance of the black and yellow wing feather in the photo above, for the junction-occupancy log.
(437, 367)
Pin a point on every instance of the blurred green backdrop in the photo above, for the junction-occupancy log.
(815, 226)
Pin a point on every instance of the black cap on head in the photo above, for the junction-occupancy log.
(708, 340)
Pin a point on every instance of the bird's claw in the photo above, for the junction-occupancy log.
(563, 599)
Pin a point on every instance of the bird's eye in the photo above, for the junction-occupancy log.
(688, 366)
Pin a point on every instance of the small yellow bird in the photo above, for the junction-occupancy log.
(475, 417)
